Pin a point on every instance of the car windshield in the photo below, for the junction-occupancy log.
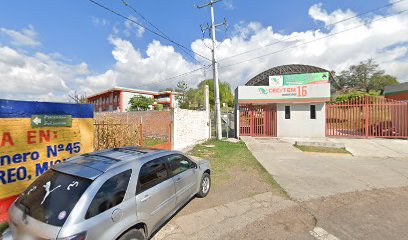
(52, 196)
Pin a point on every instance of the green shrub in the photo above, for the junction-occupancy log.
(352, 95)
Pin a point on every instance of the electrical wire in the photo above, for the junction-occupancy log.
(126, 3)
(146, 28)
(314, 40)
(329, 25)
(175, 77)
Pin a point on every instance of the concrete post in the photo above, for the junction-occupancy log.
(207, 107)
(236, 113)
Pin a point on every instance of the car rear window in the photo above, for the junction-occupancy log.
(52, 196)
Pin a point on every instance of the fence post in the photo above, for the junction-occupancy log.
(367, 115)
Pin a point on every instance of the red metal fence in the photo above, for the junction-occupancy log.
(367, 117)
(259, 121)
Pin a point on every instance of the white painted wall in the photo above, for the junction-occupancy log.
(189, 128)
(128, 95)
(300, 124)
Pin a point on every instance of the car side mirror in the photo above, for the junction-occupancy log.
(193, 165)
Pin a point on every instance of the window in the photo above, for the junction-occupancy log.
(52, 196)
(110, 194)
(178, 163)
(287, 112)
(312, 111)
(151, 174)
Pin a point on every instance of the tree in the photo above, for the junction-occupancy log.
(341, 82)
(78, 98)
(193, 98)
(140, 103)
(361, 75)
(182, 99)
(365, 76)
(226, 95)
(378, 83)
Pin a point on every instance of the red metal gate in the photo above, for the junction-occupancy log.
(367, 117)
(259, 121)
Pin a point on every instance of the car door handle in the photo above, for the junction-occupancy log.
(177, 180)
(145, 198)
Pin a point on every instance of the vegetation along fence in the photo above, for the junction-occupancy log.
(148, 128)
(367, 117)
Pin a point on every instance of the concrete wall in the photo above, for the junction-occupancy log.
(300, 124)
(189, 128)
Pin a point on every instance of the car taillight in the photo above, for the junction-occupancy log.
(79, 236)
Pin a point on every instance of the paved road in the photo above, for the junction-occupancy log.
(308, 176)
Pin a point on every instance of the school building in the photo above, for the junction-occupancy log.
(117, 99)
(284, 101)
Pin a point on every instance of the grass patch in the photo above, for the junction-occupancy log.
(321, 149)
(151, 141)
(3, 227)
(226, 155)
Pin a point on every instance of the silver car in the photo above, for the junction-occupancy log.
(121, 193)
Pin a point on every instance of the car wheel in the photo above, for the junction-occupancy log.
(205, 185)
(133, 234)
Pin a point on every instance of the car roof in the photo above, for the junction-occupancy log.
(92, 165)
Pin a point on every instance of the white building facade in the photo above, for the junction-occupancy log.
(288, 105)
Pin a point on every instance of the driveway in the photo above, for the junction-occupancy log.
(375, 147)
(308, 176)
(371, 147)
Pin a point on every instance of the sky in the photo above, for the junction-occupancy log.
(50, 49)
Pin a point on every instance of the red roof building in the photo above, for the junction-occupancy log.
(117, 99)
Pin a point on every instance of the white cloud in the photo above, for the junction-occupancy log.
(132, 27)
(229, 4)
(41, 76)
(100, 21)
(36, 77)
(399, 5)
(318, 14)
(133, 70)
(25, 37)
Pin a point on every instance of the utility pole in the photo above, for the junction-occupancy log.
(215, 66)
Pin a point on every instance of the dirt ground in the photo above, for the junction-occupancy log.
(240, 183)
(236, 174)
(292, 223)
